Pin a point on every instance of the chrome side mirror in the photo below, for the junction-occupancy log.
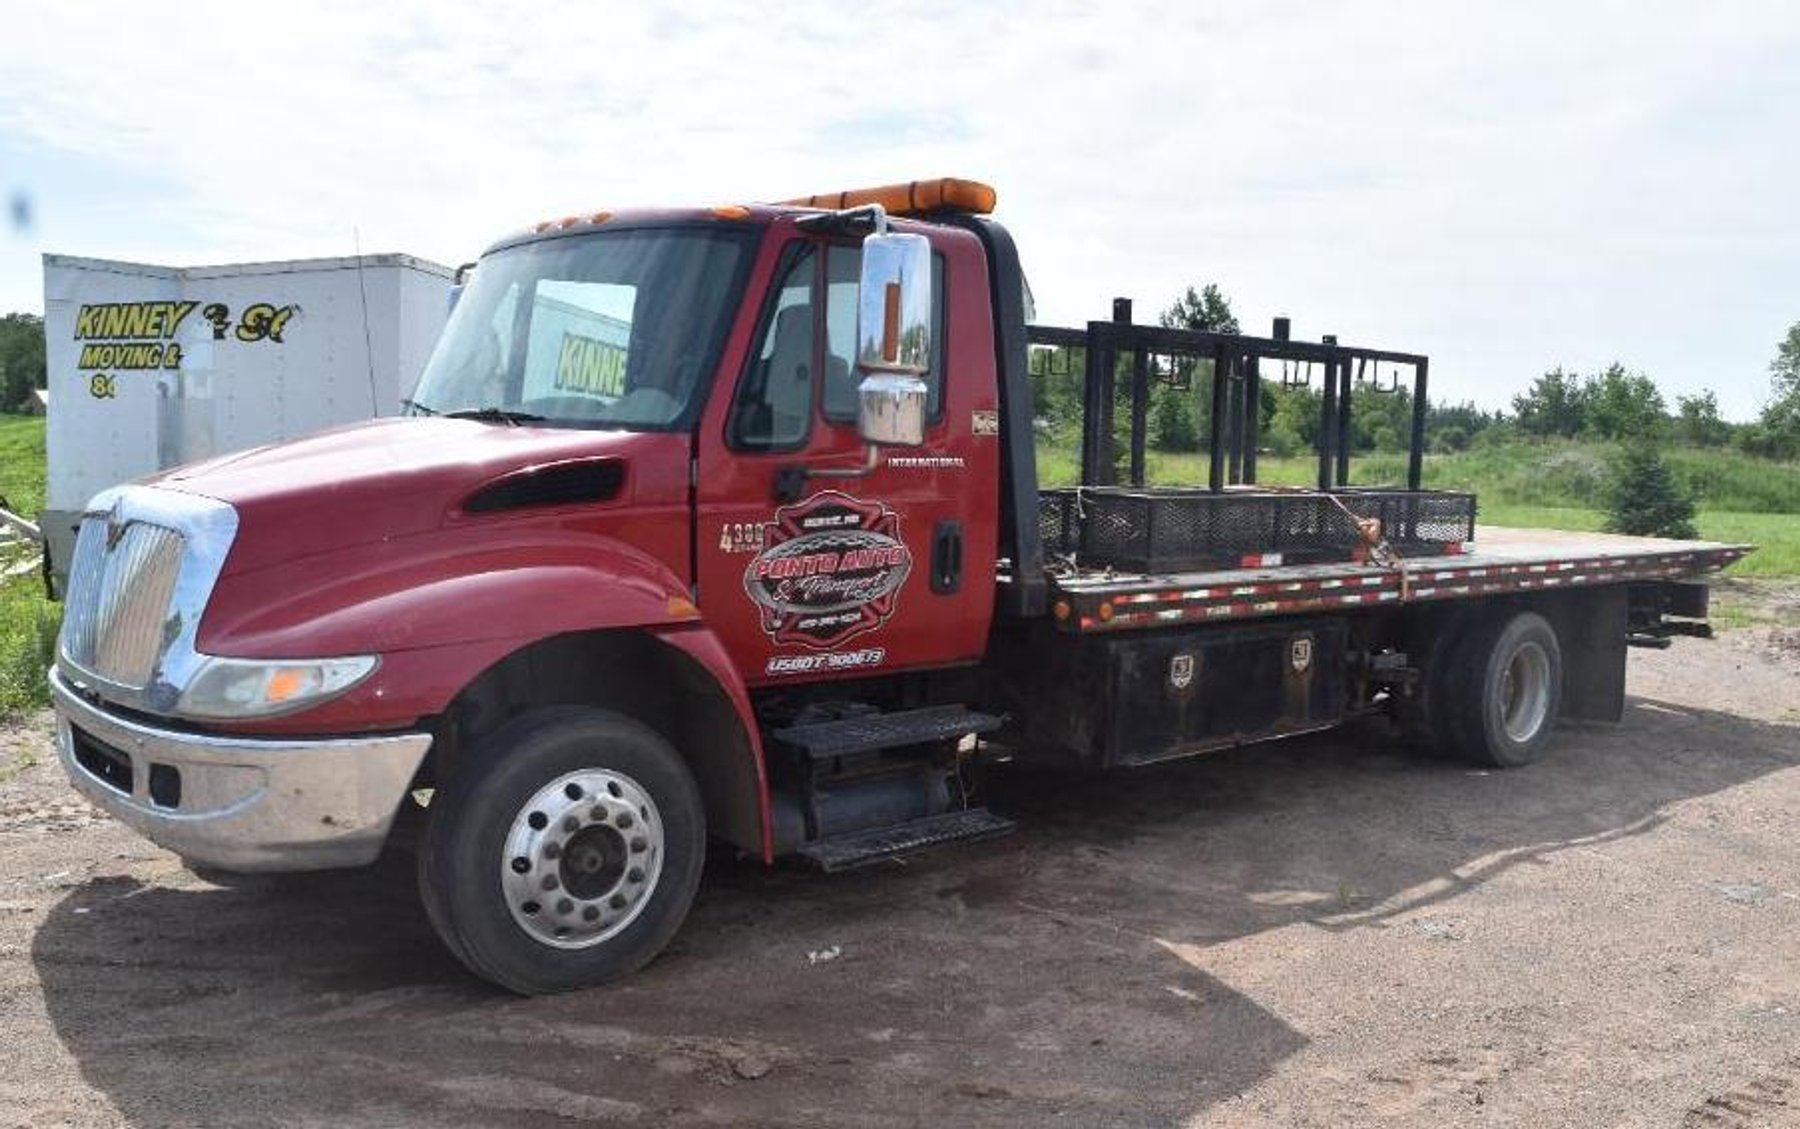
(893, 338)
(890, 409)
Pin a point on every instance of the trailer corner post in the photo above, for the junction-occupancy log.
(1415, 461)
(1215, 478)
(1343, 422)
(1252, 416)
(1328, 411)
(1097, 408)
(1234, 369)
(1140, 393)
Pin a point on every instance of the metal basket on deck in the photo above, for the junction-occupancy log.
(1178, 530)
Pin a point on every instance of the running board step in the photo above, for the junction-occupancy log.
(861, 848)
(867, 734)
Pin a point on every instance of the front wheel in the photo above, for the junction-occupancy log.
(565, 853)
(1500, 692)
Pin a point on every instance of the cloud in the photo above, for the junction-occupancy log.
(1504, 187)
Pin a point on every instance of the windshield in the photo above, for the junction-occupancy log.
(614, 329)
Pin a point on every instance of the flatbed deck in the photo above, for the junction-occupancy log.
(1499, 560)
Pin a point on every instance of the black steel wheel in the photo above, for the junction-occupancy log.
(1499, 692)
(565, 853)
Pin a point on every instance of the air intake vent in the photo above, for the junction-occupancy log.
(559, 484)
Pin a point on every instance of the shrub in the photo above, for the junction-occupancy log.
(1172, 425)
(1573, 472)
(1643, 499)
(1280, 442)
(1449, 439)
(28, 625)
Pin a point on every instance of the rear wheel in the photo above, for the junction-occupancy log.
(566, 854)
(1499, 692)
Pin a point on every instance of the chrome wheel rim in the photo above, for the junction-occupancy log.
(1525, 692)
(582, 858)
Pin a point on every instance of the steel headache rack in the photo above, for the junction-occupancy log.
(1233, 521)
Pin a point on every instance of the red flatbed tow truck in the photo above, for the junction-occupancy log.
(725, 524)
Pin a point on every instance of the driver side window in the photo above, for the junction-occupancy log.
(773, 409)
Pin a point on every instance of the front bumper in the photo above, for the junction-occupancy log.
(238, 803)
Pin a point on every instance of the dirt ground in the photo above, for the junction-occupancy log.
(1318, 932)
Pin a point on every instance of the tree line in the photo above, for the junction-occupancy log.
(22, 367)
(1614, 404)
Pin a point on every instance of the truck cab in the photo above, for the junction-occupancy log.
(723, 524)
(634, 494)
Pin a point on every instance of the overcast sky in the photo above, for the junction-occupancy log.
(1506, 187)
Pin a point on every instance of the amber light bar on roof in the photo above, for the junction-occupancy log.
(915, 198)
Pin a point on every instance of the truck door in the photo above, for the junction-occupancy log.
(804, 573)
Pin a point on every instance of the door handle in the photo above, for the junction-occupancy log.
(947, 558)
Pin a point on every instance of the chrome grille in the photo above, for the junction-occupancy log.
(120, 584)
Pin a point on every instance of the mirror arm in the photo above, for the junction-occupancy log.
(871, 460)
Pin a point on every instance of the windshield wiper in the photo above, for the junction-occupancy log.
(494, 415)
(412, 406)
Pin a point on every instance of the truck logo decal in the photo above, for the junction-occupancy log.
(1181, 671)
(115, 528)
(830, 568)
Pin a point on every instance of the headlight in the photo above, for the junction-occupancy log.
(235, 688)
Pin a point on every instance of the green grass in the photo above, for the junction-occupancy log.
(1754, 603)
(1540, 517)
(22, 463)
(1776, 536)
(27, 620)
(28, 625)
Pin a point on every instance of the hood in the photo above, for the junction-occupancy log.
(383, 479)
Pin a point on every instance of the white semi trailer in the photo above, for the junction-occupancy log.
(154, 366)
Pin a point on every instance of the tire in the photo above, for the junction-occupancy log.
(565, 853)
(1500, 692)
